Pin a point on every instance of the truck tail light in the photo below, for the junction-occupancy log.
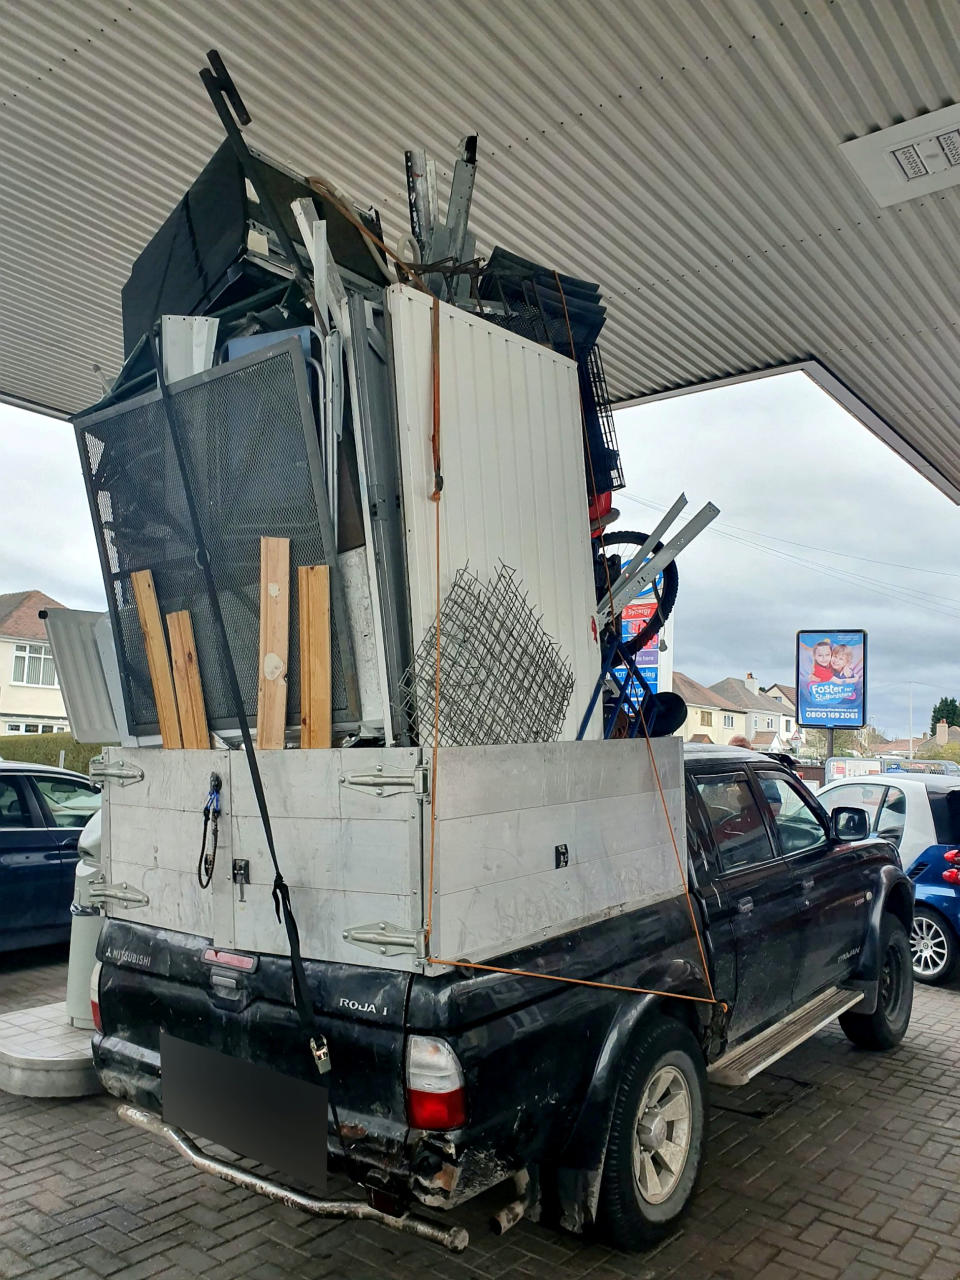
(95, 996)
(952, 876)
(435, 1087)
(952, 855)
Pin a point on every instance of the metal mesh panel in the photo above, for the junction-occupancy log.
(502, 678)
(248, 434)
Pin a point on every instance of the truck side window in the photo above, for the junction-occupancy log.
(739, 831)
(797, 823)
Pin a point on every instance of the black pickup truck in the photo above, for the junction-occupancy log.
(586, 1102)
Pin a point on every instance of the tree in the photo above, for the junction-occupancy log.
(846, 742)
(946, 709)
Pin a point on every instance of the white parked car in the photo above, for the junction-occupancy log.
(920, 814)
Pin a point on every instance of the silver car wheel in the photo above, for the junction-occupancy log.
(662, 1139)
(929, 947)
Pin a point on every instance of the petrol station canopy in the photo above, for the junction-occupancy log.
(687, 155)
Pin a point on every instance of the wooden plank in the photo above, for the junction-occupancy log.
(274, 642)
(186, 680)
(316, 695)
(158, 660)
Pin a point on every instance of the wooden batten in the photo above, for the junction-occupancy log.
(274, 642)
(158, 660)
(316, 700)
(186, 680)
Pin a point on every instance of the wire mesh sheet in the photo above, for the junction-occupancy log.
(248, 432)
(503, 679)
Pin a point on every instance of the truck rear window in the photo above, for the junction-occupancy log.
(945, 808)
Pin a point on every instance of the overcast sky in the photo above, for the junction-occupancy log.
(821, 525)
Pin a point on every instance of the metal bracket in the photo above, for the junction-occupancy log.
(391, 784)
(114, 771)
(124, 894)
(388, 939)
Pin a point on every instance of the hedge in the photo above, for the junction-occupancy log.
(45, 748)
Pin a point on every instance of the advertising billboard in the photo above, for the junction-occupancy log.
(832, 679)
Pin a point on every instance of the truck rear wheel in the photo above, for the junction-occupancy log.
(887, 1025)
(656, 1137)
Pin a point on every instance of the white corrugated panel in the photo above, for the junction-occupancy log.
(511, 451)
(685, 156)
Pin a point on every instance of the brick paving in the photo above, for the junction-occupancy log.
(837, 1165)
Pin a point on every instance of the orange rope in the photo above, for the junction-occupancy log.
(575, 982)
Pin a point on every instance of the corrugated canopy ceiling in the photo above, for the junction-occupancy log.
(683, 154)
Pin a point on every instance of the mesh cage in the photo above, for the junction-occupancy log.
(252, 455)
(502, 678)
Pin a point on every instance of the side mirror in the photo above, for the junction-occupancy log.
(849, 824)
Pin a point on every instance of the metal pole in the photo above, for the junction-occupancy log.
(829, 743)
(910, 688)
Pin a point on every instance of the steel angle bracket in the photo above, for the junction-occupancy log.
(642, 571)
(124, 894)
(388, 939)
(101, 770)
(391, 784)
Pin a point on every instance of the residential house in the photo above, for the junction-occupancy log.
(786, 695)
(762, 714)
(710, 718)
(30, 698)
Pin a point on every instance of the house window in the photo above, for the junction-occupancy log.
(60, 728)
(31, 728)
(46, 728)
(14, 728)
(706, 718)
(33, 665)
(769, 722)
(789, 725)
(728, 722)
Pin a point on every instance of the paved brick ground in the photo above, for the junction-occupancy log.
(841, 1166)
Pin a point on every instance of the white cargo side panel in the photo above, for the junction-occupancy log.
(347, 828)
(514, 490)
(504, 812)
(152, 833)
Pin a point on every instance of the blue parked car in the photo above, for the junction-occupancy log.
(42, 813)
(920, 814)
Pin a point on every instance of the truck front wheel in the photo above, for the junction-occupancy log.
(656, 1137)
(887, 1025)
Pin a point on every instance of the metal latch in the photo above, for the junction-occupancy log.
(124, 894)
(241, 874)
(115, 771)
(388, 939)
(391, 784)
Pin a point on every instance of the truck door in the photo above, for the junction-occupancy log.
(830, 883)
(755, 894)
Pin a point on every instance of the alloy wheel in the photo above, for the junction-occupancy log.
(663, 1132)
(928, 947)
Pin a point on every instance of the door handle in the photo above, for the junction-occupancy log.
(745, 906)
(807, 884)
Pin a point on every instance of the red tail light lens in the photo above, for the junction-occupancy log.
(435, 1087)
(230, 959)
(952, 876)
(952, 855)
(95, 996)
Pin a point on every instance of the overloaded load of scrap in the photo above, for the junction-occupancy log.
(346, 448)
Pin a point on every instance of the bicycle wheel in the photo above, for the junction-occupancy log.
(619, 548)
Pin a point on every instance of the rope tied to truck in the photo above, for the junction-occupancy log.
(435, 497)
(211, 818)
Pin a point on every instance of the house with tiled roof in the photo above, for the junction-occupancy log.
(30, 697)
(762, 713)
(710, 718)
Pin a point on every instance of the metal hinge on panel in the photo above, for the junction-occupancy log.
(391, 784)
(115, 771)
(388, 939)
(124, 894)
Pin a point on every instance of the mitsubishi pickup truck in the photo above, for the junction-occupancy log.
(584, 1099)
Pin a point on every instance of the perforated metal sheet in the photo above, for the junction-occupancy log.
(251, 443)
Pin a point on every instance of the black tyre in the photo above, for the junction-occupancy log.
(656, 1137)
(933, 947)
(619, 546)
(886, 1027)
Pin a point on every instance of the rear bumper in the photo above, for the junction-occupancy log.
(454, 1238)
(438, 1170)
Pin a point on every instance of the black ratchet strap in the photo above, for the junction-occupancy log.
(281, 893)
